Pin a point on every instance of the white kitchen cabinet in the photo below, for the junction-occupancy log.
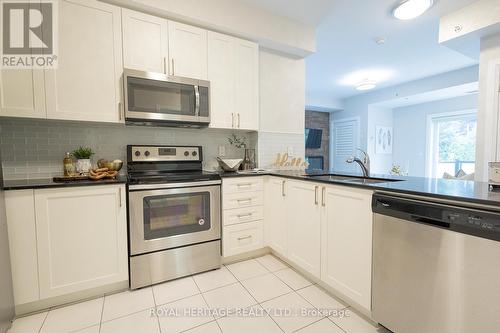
(233, 66)
(86, 85)
(145, 42)
(246, 84)
(303, 225)
(221, 68)
(243, 237)
(187, 51)
(346, 244)
(21, 226)
(22, 93)
(275, 215)
(81, 238)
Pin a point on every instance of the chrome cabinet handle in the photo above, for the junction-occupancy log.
(238, 120)
(232, 120)
(173, 68)
(245, 216)
(316, 195)
(283, 194)
(246, 237)
(323, 196)
(244, 200)
(120, 110)
(244, 185)
(165, 65)
(120, 196)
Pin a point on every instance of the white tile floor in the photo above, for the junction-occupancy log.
(259, 295)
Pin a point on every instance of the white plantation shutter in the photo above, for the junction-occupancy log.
(345, 141)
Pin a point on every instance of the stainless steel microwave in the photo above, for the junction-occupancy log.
(162, 100)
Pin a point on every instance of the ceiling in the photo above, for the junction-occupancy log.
(346, 33)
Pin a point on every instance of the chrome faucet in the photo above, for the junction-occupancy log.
(364, 164)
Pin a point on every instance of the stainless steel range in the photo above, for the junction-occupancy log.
(174, 214)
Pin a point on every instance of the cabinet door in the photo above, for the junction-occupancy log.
(81, 238)
(187, 51)
(86, 84)
(22, 93)
(346, 261)
(304, 216)
(246, 83)
(145, 42)
(20, 211)
(221, 76)
(275, 215)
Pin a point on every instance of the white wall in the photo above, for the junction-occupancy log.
(410, 130)
(487, 126)
(236, 18)
(377, 116)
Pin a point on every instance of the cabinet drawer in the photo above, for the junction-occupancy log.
(241, 215)
(242, 184)
(240, 238)
(241, 200)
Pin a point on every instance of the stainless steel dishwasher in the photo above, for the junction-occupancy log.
(436, 266)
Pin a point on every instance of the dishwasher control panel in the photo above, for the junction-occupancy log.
(482, 221)
(473, 221)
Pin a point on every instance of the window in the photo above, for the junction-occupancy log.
(452, 145)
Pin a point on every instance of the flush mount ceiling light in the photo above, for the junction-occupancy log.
(410, 9)
(366, 85)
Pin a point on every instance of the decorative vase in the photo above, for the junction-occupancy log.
(83, 165)
(249, 160)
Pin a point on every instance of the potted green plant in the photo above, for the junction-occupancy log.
(82, 155)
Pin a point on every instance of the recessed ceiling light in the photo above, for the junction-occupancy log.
(366, 85)
(410, 9)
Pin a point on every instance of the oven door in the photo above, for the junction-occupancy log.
(162, 219)
(159, 97)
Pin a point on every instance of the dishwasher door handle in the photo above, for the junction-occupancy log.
(430, 221)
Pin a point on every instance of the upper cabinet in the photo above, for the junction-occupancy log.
(86, 85)
(246, 84)
(145, 42)
(22, 93)
(187, 51)
(221, 75)
(233, 66)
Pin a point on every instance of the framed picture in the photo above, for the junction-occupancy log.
(384, 138)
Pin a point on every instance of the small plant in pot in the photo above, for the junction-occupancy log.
(82, 155)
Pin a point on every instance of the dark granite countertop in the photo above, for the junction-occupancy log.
(22, 184)
(450, 189)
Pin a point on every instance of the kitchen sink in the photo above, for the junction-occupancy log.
(352, 179)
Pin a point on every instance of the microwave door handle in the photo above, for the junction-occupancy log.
(196, 101)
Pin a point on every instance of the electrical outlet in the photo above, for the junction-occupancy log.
(289, 151)
(222, 151)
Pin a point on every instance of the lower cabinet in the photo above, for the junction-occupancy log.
(346, 242)
(66, 240)
(240, 238)
(275, 215)
(303, 229)
(324, 229)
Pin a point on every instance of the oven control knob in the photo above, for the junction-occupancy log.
(186, 153)
(194, 153)
(137, 153)
(147, 153)
(201, 221)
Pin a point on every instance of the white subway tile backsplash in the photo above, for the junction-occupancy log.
(270, 144)
(34, 148)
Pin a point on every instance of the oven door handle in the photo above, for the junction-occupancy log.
(172, 185)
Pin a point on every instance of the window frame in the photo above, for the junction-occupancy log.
(431, 136)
